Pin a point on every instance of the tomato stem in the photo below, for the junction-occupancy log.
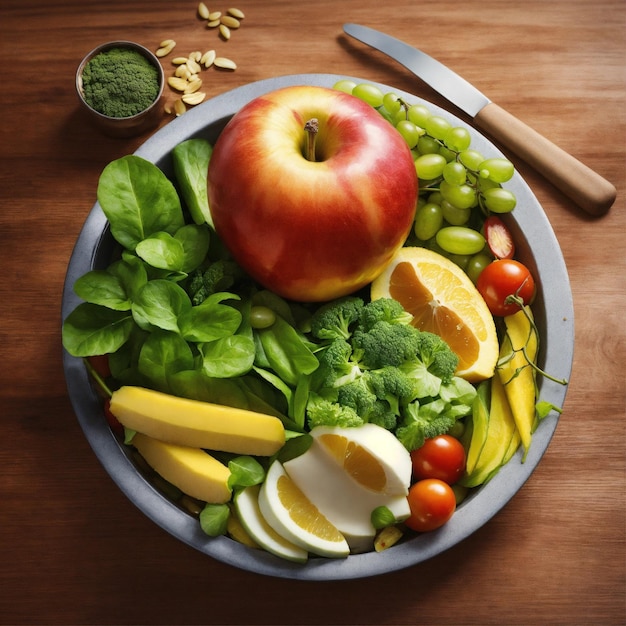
(311, 128)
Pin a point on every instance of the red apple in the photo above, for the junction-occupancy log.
(311, 230)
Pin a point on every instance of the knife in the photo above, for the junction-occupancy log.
(586, 188)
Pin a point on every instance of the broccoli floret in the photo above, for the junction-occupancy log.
(323, 412)
(221, 275)
(336, 366)
(382, 415)
(383, 310)
(386, 344)
(423, 422)
(437, 356)
(357, 395)
(335, 319)
(394, 387)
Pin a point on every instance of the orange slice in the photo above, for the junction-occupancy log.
(295, 518)
(443, 300)
(370, 455)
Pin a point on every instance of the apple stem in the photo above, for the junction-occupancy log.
(311, 128)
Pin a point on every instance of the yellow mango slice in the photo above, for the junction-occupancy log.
(501, 430)
(479, 426)
(197, 424)
(192, 470)
(517, 375)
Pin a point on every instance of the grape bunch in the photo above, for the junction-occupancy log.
(459, 187)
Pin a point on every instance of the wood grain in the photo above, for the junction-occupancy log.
(74, 550)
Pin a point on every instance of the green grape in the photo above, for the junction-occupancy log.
(368, 93)
(458, 139)
(428, 221)
(460, 240)
(409, 131)
(435, 197)
(484, 184)
(345, 85)
(454, 215)
(461, 196)
(497, 169)
(418, 114)
(429, 166)
(476, 265)
(460, 259)
(392, 103)
(427, 145)
(455, 173)
(388, 116)
(471, 159)
(447, 154)
(437, 126)
(499, 200)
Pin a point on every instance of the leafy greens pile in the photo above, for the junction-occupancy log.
(173, 312)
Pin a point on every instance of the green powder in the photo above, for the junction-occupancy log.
(120, 82)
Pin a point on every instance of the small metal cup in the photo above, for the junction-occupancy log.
(123, 126)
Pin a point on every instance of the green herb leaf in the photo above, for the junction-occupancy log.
(138, 200)
(195, 242)
(161, 302)
(209, 321)
(91, 329)
(214, 519)
(162, 355)
(244, 472)
(103, 288)
(162, 251)
(228, 357)
(191, 165)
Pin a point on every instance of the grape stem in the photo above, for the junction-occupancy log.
(520, 302)
(311, 128)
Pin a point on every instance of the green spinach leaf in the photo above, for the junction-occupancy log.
(191, 166)
(138, 200)
(91, 329)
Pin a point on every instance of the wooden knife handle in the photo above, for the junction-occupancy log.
(578, 182)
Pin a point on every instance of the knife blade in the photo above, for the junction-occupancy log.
(577, 181)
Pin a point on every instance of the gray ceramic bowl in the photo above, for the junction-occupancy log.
(123, 126)
(553, 309)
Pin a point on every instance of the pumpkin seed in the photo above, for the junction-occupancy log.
(194, 98)
(203, 11)
(238, 13)
(213, 23)
(230, 22)
(225, 63)
(193, 86)
(214, 15)
(182, 71)
(179, 107)
(177, 83)
(208, 58)
(193, 66)
(224, 31)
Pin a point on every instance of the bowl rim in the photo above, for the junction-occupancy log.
(104, 47)
(556, 315)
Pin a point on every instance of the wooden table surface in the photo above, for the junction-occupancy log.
(74, 550)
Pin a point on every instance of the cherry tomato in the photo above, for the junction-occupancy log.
(432, 504)
(503, 278)
(499, 238)
(441, 457)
